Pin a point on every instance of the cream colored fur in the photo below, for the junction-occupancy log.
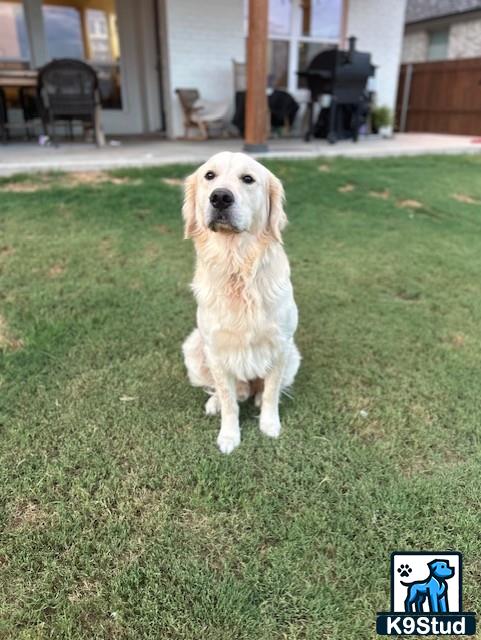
(246, 314)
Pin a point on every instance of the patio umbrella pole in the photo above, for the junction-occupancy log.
(256, 98)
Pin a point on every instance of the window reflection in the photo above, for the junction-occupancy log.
(321, 18)
(13, 33)
(87, 30)
(307, 51)
(280, 17)
(278, 64)
(63, 32)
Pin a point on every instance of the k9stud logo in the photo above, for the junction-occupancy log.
(426, 596)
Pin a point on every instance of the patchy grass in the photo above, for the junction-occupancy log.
(121, 519)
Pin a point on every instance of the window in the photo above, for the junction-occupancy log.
(321, 19)
(87, 30)
(13, 32)
(63, 32)
(280, 12)
(277, 64)
(298, 30)
(438, 44)
(307, 51)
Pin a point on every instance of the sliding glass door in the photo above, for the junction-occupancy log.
(114, 37)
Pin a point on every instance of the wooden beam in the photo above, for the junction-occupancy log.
(256, 98)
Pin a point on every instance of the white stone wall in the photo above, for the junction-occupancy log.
(201, 40)
(465, 39)
(379, 26)
(415, 46)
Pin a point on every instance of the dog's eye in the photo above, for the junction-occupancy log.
(247, 179)
(210, 175)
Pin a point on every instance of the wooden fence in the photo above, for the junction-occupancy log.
(441, 97)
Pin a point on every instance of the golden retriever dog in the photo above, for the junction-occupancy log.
(243, 344)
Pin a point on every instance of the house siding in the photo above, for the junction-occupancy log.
(378, 26)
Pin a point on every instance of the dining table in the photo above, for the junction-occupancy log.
(18, 78)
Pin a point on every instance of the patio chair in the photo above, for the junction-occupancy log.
(69, 92)
(200, 114)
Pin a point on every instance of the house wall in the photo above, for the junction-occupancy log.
(202, 38)
(378, 26)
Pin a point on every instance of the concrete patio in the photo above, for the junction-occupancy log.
(30, 157)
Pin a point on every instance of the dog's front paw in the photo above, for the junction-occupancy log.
(228, 441)
(271, 426)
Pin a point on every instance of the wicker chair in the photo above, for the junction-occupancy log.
(69, 92)
(199, 113)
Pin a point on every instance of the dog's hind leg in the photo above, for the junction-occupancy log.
(293, 360)
(212, 406)
(291, 366)
(408, 603)
(256, 387)
(195, 361)
(418, 606)
(412, 599)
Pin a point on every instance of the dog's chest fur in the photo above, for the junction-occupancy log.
(237, 297)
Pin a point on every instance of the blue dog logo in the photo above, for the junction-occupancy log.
(434, 588)
(440, 594)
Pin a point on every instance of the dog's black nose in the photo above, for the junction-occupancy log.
(221, 198)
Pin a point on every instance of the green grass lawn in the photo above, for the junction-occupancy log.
(120, 518)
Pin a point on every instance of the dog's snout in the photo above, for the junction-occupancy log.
(221, 199)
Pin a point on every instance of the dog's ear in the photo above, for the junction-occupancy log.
(188, 208)
(277, 218)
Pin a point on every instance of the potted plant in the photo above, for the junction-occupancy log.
(381, 118)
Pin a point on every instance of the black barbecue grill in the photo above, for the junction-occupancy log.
(343, 76)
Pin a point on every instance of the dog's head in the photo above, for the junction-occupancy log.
(441, 569)
(232, 193)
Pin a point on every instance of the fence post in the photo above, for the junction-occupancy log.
(406, 94)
